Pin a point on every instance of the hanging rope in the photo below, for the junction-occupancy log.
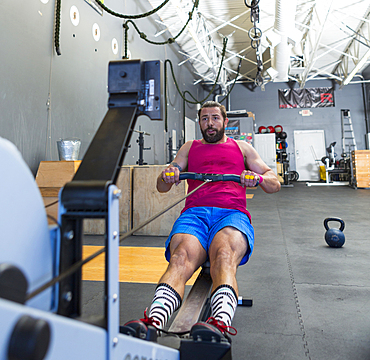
(228, 93)
(143, 36)
(183, 94)
(232, 86)
(177, 85)
(122, 16)
(140, 16)
(58, 15)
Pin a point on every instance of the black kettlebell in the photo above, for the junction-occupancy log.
(334, 237)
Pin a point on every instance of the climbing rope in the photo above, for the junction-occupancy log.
(58, 12)
(140, 16)
(183, 94)
(143, 36)
(232, 86)
(122, 16)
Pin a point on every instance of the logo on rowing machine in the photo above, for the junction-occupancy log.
(138, 357)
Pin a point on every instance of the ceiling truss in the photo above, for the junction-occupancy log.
(333, 44)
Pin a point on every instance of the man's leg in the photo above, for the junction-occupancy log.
(187, 254)
(226, 251)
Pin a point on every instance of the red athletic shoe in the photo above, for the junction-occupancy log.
(212, 330)
(220, 325)
(139, 328)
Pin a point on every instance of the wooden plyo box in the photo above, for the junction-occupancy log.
(124, 183)
(147, 201)
(361, 168)
(53, 175)
(50, 178)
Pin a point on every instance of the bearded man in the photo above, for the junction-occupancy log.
(214, 225)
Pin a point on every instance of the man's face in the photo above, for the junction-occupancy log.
(212, 124)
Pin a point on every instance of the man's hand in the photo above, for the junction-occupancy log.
(249, 178)
(171, 175)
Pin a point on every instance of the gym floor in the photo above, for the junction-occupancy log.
(310, 301)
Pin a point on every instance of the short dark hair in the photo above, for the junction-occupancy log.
(212, 104)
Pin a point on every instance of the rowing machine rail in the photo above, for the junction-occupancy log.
(196, 306)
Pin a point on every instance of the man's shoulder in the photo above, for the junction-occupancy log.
(245, 147)
(244, 144)
(188, 144)
(186, 147)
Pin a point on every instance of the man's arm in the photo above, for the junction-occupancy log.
(268, 181)
(171, 174)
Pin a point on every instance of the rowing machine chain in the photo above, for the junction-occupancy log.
(255, 34)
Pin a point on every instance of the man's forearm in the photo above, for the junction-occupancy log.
(270, 183)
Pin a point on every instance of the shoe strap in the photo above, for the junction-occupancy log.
(150, 320)
(221, 326)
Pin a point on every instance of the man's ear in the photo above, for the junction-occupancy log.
(226, 121)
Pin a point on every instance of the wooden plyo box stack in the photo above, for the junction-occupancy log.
(53, 175)
(140, 199)
(124, 183)
(147, 201)
(50, 178)
(361, 168)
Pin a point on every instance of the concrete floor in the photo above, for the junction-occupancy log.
(310, 301)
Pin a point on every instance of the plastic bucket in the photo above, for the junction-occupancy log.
(68, 149)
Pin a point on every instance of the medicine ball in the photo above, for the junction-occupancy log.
(262, 130)
(283, 135)
(278, 128)
(270, 129)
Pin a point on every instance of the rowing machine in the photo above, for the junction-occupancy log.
(40, 267)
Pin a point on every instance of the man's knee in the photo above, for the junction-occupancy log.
(180, 265)
(224, 254)
(223, 258)
(179, 257)
(228, 247)
(186, 248)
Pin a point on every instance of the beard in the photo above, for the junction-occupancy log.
(217, 136)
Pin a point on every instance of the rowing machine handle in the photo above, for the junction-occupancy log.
(210, 177)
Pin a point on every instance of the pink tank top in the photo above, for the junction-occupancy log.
(225, 158)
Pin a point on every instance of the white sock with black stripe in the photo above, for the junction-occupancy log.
(223, 304)
(166, 301)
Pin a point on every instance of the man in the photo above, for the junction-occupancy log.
(214, 224)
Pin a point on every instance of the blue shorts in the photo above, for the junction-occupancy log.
(205, 222)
